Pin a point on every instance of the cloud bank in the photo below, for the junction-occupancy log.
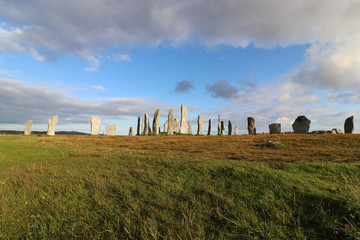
(88, 28)
(20, 102)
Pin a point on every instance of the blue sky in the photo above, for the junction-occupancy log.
(273, 60)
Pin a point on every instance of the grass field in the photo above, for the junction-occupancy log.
(180, 187)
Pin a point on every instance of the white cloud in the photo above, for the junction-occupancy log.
(98, 87)
(121, 57)
(333, 65)
(6, 73)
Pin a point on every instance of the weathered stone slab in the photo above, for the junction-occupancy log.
(349, 125)
(146, 127)
(183, 119)
(200, 130)
(189, 128)
(95, 125)
(236, 130)
(275, 128)
(251, 126)
(336, 131)
(222, 128)
(156, 122)
(138, 126)
(51, 125)
(28, 126)
(131, 131)
(110, 130)
(172, 125)
(166, 125)
(142, 126)
(219, 125)
(229, 128)
(209, 127)
(301, 125)
(177, 128)
(319, 132)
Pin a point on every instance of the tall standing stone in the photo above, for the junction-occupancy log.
(200, 130)
(189, 128)
(51, 125)
(209, 127)
(110, 130)
(142, 126)
(138, 126)
(219, 125)
(177, 125)
(172, 126)
(275, 128)
(236, 130)
(156, 122)
(95, 125)
(251, 126)
(349, 125)
(28, 126)
(166, 126)
(183, 119)
(131, 131)
(229, 128)
(149, 127)
(146, 126)
(222, 128)
(301, 125)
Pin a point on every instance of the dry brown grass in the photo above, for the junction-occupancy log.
(292, 148)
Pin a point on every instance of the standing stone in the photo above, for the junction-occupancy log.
(301, 125)
(222, 127)
(189, 128)
(349, 125)
(229, 128)
(28, 126)
(177, 125)
(251, 126)
(209, 128)
(166, 127)
(172, 126)
(95, 125)
(138, 126)
(131, 131)
(110, 130)
(183, 119)
(142, 126)
(200, 130)
(236, 130)
(219, 125)
(146, 127)
(51, 125)
(156, 122)
(275, 128)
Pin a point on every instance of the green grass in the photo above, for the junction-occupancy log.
(180, 187)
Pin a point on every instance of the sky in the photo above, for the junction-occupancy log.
(119, 59)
